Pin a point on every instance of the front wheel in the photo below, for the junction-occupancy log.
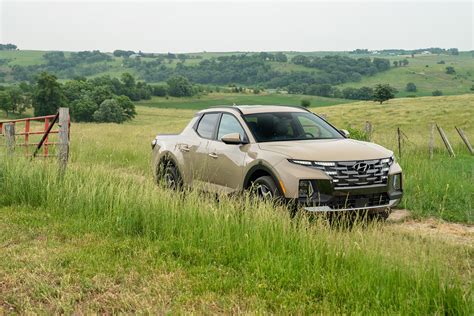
(168, 175)
(265, 188)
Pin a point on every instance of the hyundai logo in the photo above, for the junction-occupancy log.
(361, 167)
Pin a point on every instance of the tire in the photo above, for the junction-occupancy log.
(266, 189)
(169, 176)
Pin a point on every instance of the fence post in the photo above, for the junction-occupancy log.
(431, 144)
(446, 141)
(63, 147)
(368, 129)
(324, 116)
(10, 137)
(399, 136)
(465, 140)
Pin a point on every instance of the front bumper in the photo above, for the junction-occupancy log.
(327, 198)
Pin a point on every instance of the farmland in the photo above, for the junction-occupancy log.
(106, 239)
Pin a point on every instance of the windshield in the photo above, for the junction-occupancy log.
(285, 126)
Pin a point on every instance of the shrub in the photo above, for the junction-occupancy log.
(411, 87)
(437, 93)
(450, 70)
(306, 103)
(358, 134)
(179, 86)
(110, 112)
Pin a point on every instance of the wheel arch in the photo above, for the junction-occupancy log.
(258, 171)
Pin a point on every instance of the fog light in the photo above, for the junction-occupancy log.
(397, 181)
(306, 189)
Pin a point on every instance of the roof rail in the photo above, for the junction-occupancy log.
(233, 107)
(299, 107)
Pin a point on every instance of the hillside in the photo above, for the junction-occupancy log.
(425, 71)
(427, 74)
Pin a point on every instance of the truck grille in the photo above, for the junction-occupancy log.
(356, 173)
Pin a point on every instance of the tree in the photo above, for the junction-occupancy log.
(395, 63)
(161, 90)
(48, 96)
(383, 92)
(6, 102)
(411, 87)
(179, 86)
(306, 103)
(405, 62)
(110, 112)
(83, 109)
(127, 106)
(280, 57)
(450, 70)
(437, 93)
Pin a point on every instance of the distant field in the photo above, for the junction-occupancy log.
(427, 79)
(239, 99)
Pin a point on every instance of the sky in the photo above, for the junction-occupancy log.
(196, 26)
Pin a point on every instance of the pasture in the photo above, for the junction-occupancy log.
(106, 239)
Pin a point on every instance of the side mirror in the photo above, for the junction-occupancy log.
(232, 139)
(345, 132)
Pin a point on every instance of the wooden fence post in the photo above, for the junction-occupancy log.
(431, 144)
(465, 140)
(10, 137)
(399, 136)
(63, 147)
(446, 141)
(368, 129)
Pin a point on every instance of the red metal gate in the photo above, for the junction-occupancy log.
(36, 132)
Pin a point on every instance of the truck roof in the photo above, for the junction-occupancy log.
(251, 109)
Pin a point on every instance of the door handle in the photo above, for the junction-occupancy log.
(184, 148)
(213, 155)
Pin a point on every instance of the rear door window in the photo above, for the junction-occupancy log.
(207, 125)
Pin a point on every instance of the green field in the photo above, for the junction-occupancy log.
(106, 239)
(214, 99)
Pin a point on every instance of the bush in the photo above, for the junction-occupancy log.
(437, 93)
(411, 87)
(110, 112)
(179, 86)
(450, 70)
(358, 134)
(306, 103)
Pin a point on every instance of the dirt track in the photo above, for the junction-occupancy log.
(449, 232)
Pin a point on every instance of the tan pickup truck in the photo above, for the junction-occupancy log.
(281, 152)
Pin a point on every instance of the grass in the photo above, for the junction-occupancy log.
(105, 239)
(214, 99)
(102, 241)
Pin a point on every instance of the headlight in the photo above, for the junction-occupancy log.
(397, 181)
(390, 161)
(301, 162)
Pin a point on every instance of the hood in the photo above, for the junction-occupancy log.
(328, 149)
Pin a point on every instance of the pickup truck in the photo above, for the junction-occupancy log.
(280, 152)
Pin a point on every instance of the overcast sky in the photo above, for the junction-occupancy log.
(194, 26)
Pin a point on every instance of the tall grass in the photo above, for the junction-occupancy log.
(249, 249)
